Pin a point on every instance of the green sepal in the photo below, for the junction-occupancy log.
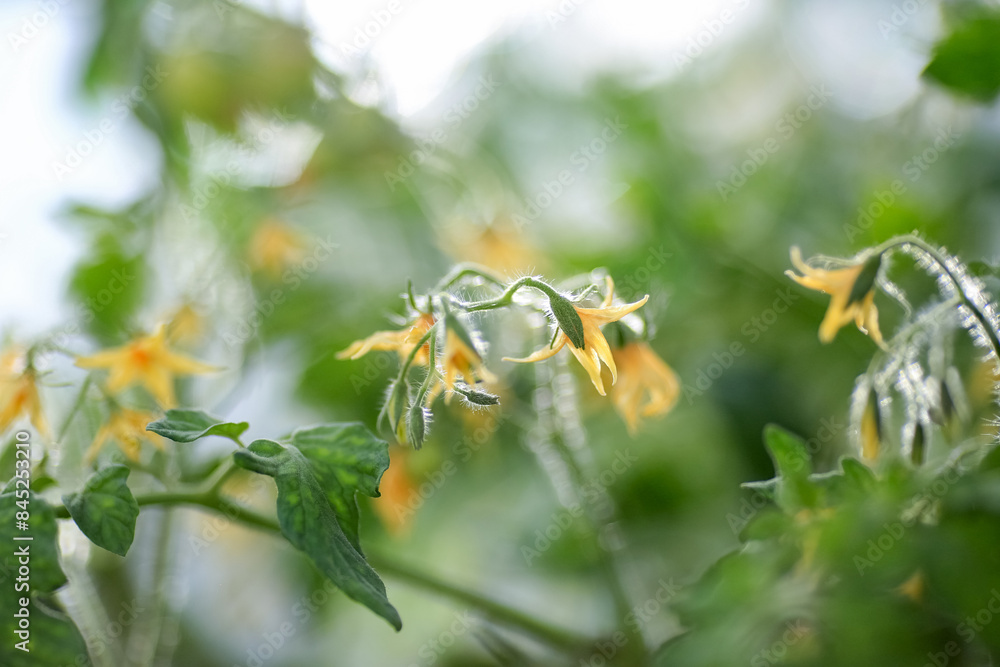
(568, 319)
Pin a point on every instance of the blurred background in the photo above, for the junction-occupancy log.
(275, 171)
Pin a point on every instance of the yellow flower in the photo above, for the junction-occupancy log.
(459, 358)
(128, 428)
(852, 291)
(595, 347)
(402, 341)
(274, 247)
(648, 386)
(147, 361)
(19, 393)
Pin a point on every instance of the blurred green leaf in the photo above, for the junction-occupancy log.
(968, 61)
(182, 425)
(109, 285)
(309, 523)
(105, 510)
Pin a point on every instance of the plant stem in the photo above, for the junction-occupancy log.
(81, 398)
(551, 634)
(935, 254)
(507, 297)
(510, 616)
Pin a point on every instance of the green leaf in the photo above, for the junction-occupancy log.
(106, 510)
(310, 523)
(346, 459)
(968, 61)
(792, 463)
(54, 640)
(46, 575)
(189, 425)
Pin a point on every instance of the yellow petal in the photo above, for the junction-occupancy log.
(542, 354)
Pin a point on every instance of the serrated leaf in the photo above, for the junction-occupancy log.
(190, 425)
(346, 459)
(46, 574)
(308, 521)
(105, 510)
(792, 463)
(968, 61)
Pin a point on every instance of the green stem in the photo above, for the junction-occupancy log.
(81, 398)
(551, 634)
(510, 616)
(507, 297)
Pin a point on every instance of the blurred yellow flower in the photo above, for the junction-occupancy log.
(186, 325)
(499, 246)
(396, 489)
(871, 431)
(274, 247)
(595, 347)
(148, 361)
(647, 386)
(402, 341)
(852, 291)
(19, 393)
(128, 428)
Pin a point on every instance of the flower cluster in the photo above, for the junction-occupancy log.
(647, 387)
